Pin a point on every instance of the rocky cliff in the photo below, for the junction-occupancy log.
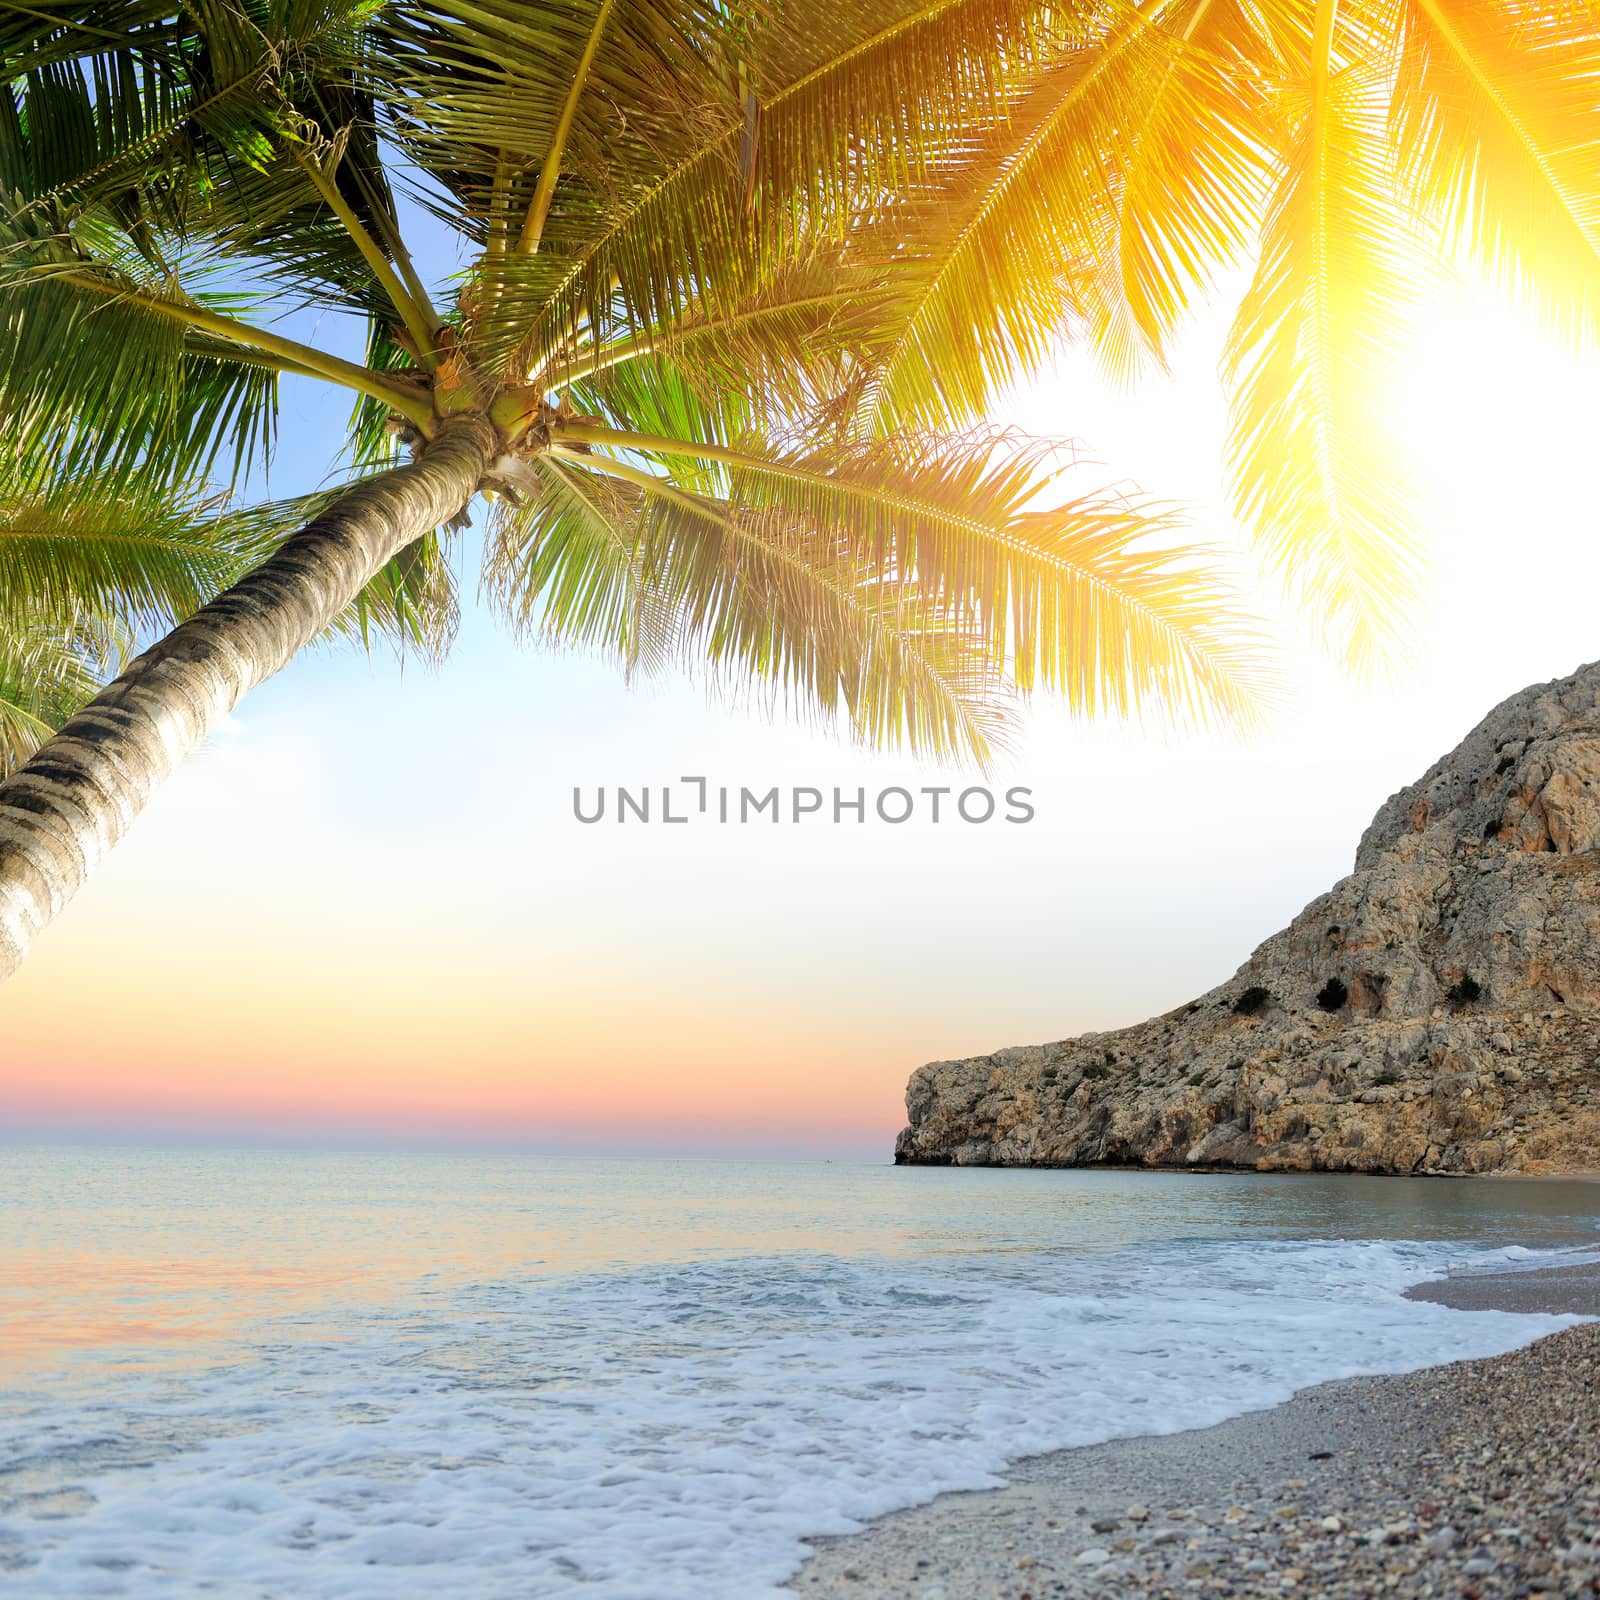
(1436, 1011)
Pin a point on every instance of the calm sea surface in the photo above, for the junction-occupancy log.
(249, 1374)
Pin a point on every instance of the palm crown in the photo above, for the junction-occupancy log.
(744, 286)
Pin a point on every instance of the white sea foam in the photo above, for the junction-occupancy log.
(673, 1432)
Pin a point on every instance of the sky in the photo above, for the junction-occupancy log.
(367, 914)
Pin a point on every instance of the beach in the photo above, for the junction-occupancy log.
(614, 1379)
(1475, 1480)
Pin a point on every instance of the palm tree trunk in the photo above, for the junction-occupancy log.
(79, 794)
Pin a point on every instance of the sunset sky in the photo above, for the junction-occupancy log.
(367, 914)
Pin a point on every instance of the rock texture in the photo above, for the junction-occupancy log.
(1436, 1011)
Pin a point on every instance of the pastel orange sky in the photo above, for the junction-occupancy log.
(369, 913)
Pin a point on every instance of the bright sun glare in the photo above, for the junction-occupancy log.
(1499, 418)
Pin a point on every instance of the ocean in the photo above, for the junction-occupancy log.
(369, 1376)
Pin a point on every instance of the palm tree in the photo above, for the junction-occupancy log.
(744, 283)
(86, 569)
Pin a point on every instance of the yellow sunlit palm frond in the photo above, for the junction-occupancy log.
(1495, 119)
(1313, 355)
(1088, 598)
(1198, 154)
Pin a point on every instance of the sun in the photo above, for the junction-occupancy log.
(1499, 420)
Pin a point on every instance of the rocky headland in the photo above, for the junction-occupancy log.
(1437, 1011)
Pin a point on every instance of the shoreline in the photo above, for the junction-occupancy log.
(1226, 1170)
(1476, 1480)
(1571, 1290)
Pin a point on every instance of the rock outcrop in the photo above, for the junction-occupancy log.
(1436, 1011)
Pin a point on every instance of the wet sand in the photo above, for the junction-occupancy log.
(1549, 1289)
(1476, 1481)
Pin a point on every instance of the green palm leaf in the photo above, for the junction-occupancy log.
(797, 351)
(66, 543)
(656, 217)
(96, 373)
(991, 266)
(50, 664)
(176, 131)
(768, 604)
(568, 566)
(1077, 597)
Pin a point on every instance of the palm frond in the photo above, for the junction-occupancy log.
(96, 376)
(50, 664)
(568, 565)
(795, 352)
(991, 264)
(1079, 597)
(1317, 471)
(1494, 115)
(1195, 157)
(68, 544)
(772, 130)
(765, 603)
(186, 129)
(1129, 164)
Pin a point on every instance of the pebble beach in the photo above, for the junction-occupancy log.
(1474, 1481)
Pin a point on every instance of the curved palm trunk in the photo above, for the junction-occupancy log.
(79, 794)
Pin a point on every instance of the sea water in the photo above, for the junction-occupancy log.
(372, 1376)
